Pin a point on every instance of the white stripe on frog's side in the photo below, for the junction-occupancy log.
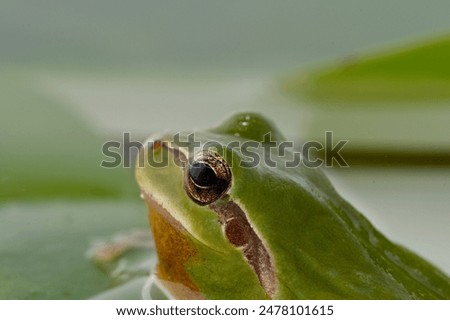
(270, 269)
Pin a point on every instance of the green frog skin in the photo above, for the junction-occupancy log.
(225, 229)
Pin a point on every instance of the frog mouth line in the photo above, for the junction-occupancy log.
(239, 232)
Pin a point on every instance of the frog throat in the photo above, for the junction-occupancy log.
(174, 250)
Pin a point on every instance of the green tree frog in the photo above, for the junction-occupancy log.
(225, 228)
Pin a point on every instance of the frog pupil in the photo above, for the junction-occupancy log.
(203, 175)
(207, 178)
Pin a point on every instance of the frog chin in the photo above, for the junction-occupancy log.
(174, 290)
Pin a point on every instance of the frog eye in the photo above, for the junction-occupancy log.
(207, 178)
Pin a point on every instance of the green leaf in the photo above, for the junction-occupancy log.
(55, 198)
(416, 72)
(43, 246)
(47, 150)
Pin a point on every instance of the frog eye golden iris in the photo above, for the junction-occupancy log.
(207, 178)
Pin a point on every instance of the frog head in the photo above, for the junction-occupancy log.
(231, 220)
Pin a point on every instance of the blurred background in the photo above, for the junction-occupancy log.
(74, 74)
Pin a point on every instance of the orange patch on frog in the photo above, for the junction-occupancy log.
(174, 250)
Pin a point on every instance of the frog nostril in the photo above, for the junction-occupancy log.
(156, 145)
(161, 148)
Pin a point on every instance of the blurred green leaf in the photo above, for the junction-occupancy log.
(47, 150)
(43, 246)
(55, 198)
(417, 72)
